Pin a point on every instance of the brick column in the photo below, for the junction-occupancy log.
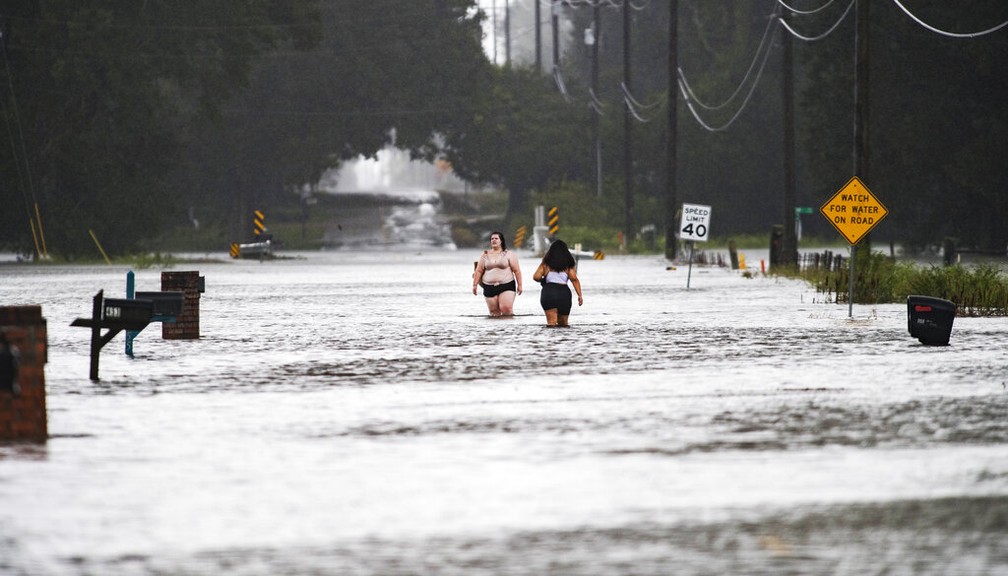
(23, 416)
(186, 326)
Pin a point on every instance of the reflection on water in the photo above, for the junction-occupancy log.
(355, 413)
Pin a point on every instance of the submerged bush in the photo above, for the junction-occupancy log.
(979, 290)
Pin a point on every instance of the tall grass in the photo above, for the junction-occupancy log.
(978, 290)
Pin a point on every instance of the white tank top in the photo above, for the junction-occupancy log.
(553, 277)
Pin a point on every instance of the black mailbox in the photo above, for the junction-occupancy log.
(164, 303)
(127, 311)
(930, 319)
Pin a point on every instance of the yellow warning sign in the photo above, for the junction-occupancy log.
(854, 210)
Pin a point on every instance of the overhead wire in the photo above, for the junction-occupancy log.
(595, 103)
(742, 107)
(634, 107)
(633, 111)
(927, 26)
(635, 102)
(805, 12)
(742, 83)
(561, 86)
(829, 31)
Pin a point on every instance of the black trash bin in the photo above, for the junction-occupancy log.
(930, 319)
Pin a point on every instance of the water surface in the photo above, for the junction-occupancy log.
(358, 413)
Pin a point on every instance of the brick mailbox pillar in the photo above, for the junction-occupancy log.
(186, 326)
(23, 413)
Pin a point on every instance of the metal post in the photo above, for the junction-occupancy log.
(96, 338)
(130, 292)
(689, 272)
(850, 286)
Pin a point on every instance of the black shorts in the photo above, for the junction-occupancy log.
(490, 290)
(557, 296)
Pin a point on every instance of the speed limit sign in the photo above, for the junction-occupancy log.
(695, 223)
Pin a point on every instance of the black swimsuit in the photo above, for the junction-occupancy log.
(491, 290)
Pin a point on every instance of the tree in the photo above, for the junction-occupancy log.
(937, 124)
(99, 95)
(522, 136)
(383, 71)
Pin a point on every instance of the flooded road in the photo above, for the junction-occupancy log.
(358, 413)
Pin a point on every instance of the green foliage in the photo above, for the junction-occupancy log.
(980, 290)
(100, 98)
(595, 221)
(383, 72)
(146, 260)
(921, 84)
(132, 117)
(523, 136)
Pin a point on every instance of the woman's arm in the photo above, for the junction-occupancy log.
(540, 272)
(572, 276)
(478, 273)
(516, 269)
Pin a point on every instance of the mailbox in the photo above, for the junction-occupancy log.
(163, 303)
(930, 319)
(127, 311)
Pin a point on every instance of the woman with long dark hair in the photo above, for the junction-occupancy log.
(555, 271)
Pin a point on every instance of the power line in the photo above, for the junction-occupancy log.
(950, 34)
(742, 83)
(726, 125)
(806, 12)
(835, 25)
(636, 103)
(561, 86)
(632, 105)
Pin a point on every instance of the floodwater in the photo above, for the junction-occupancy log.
(358, 413)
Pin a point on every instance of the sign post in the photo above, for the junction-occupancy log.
(694, 227)
(798, 211)
(853, 211)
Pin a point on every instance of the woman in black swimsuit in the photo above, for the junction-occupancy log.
(500, 276)
(555, 271)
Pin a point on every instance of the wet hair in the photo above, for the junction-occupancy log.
(501, 236)
(558, 257)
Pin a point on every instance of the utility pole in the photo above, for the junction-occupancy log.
(507, 32)
(671, 200)
(493, 8)
(861, 155)
(556, 35)
(789, 252)
(538, 39)
(627, 130)
(861, 15)
(596, 137)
